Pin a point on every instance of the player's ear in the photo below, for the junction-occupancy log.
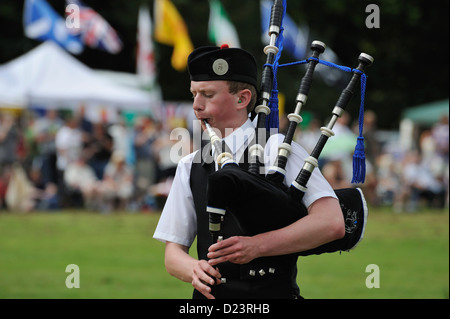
(243, 98)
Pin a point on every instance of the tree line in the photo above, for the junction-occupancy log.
(410, 47)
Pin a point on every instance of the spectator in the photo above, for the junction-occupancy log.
(334, 172)
(389, 180)
(8, 142)
(20, 194)
(45, 129)
(372, 146)
(117, 184)
(48, 191)
(342, 125)
(420, 183)
(82, 183)
(162, 148)
(440, 133)
(145, 134)
(9, 138)
(99, 148)
(121, 139)
(5, 175)
(68, 141)
(169, 148)
(309, 136)
(29, 138)
(85, 123)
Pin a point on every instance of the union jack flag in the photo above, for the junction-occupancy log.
(95, 32)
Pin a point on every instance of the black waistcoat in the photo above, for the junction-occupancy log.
(262, 278)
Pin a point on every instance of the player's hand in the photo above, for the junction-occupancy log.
(204, 276)
(237, 250)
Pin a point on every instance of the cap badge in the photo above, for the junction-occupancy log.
(220, 67)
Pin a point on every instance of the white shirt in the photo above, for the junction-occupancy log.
(68, 143)
(178, 221)
(79, 175)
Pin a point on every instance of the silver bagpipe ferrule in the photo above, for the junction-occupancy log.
(221, 156)
(299, 186)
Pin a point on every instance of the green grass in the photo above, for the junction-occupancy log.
(118, 258)
(411, 251)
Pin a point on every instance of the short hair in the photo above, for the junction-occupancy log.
(235, 87)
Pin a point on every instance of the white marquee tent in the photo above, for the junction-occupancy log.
(49, 77)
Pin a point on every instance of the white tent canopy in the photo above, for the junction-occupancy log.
(50, 77)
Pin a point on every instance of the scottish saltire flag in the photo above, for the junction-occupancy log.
(220, 29)
(95, 32)
(42, 23)
(145, 57)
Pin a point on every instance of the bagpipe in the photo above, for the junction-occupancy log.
(261, 202)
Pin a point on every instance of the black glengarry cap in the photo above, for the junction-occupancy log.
(222, 64)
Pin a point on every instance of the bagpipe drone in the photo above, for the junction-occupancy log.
(261, 202)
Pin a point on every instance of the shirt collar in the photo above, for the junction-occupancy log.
(238, 140)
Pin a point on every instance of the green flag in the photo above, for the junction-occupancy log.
(220, 29)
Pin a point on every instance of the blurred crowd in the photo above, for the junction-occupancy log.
(60, 160)
(406, 179)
